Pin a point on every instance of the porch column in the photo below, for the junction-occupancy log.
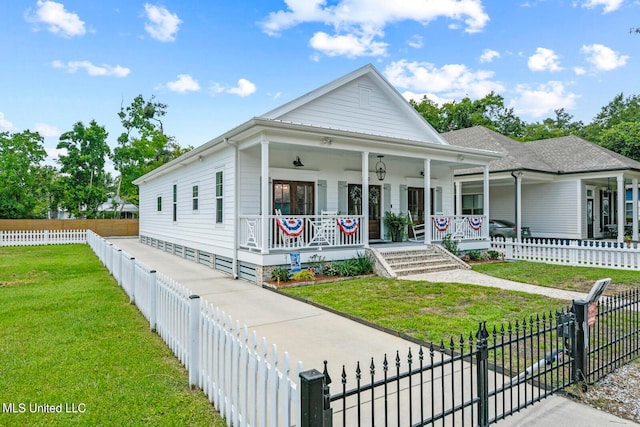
(427, 202)
(365, 199)
(621, 197)
(519, 206)
(634, 204)
(485, 200)
(264, 199)
(458, 186)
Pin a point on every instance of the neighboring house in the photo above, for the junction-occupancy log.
(118, 208)
(314, 176)
(560, 188)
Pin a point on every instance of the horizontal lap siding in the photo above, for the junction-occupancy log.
(550, 208)
(194, 228)
(341, 109)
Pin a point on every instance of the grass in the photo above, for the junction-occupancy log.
(424, 310)
(579, 279)
(69, 336)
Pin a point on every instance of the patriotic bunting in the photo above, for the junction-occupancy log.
(348, 226)
(441, 223)
(291, 227)
(475, 222)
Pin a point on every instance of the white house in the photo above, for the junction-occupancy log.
(314, 177)
(564, 187)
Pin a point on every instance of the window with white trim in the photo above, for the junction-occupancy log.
(219, 198)
(175, 202)
(194, 195)
(159, 203)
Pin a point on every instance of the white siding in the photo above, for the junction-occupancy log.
(550, 209)
(197, 229)
(343, 109)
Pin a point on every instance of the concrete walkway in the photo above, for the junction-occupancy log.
(312, 335)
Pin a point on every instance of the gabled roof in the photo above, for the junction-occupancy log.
(568, 154)
(420, 129)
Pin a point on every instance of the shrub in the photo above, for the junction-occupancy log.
(347, 268)
(304, 275)
(475, 255)
(329, 269)
(451, 245)
(281, 274)
(364, 263)
(493, 254)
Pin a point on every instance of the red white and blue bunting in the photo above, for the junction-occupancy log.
(348, 226)
(475, 222)
(441, 223)
(291, 227)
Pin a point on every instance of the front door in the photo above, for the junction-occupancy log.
(375, 203)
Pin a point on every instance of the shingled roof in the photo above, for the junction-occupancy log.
(568, 154)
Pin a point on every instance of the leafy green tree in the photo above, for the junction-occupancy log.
(623, 138)
(83, 175)
(143, 146)
(562, 125)
(48, 190)
(20, 157)
(618, 110)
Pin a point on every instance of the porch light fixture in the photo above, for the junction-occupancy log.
(381, 169)
(297, 162)
(607, 191)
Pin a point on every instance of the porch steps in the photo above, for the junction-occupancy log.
(420, 260)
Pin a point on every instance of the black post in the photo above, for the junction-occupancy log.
(580, 348)
(482, 356)
(311, 398)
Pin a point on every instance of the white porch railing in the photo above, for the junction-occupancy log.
(586, 253)
(301, 231)
(460, 227)
(248, 381)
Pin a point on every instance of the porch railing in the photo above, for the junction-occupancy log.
(301, 231)
(460, 227)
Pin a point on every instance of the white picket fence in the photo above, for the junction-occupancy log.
(248, 381)
(42, 237)
(585, 253)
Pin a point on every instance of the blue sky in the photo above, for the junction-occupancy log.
(218, 63)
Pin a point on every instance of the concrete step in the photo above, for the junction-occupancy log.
(426, 269)
(408, 262)
(416, 263)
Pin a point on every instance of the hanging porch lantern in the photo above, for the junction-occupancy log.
(381, 169)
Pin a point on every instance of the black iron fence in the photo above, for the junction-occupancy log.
(487, 376)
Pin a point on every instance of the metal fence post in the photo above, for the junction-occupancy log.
(194, 339)
(482, 369)
(312, 398)
(580, 348)
(153, 302)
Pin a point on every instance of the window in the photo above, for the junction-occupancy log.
(175, 202)
(219, 200)
(194, 194)
(472, 204)
(159, 203)
(293, 197)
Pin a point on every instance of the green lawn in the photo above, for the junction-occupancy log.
(69, 337)
(559, 276)
(425, 310)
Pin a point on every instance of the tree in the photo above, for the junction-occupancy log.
(143, 146)
(623, 138)
(562, 125)
(84, 178)
(20, 157)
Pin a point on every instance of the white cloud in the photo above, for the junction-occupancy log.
(544, 60)
(57, 19)
(543, 99)
(357, 23)
(4, 123)
(609, 5)
(92, 70)
(450, 81)
(184, 84)
(416, 41)
(580, 71)
(244, 88)
(603, 58)
(55, 153)
(162, 25)
(46, 130)
(349, 45)
(488, 55)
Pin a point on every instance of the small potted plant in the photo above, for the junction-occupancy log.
(396, 224)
